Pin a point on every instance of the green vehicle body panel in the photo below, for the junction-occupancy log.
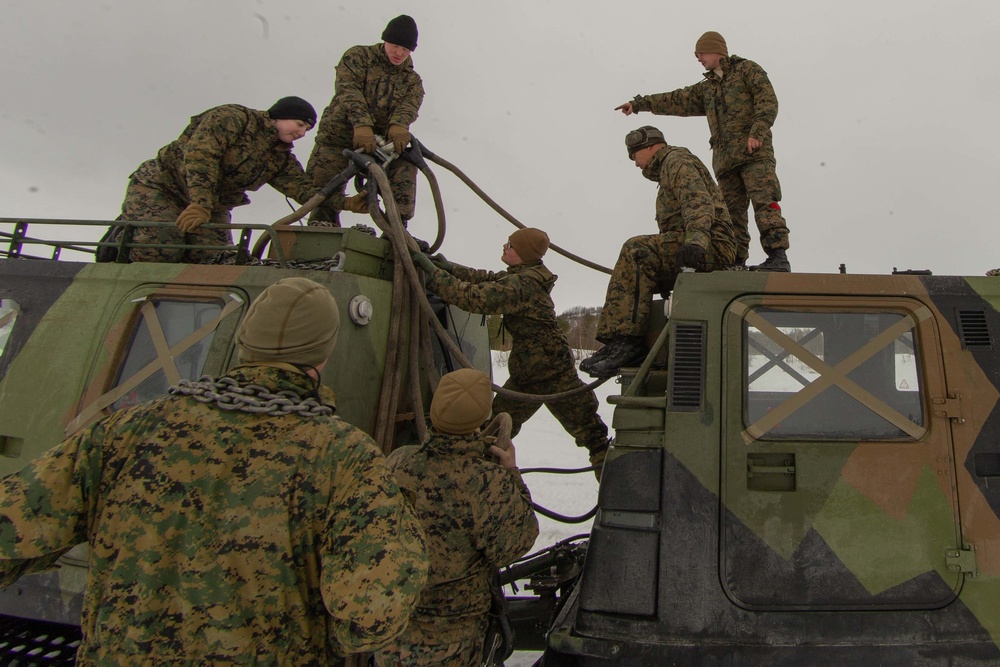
(725, 537)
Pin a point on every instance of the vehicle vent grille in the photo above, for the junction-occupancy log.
(687, 369)
(974, 330)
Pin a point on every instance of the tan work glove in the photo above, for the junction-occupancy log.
(358, 203)
(399, 136)
(193, 217)
(364, 139)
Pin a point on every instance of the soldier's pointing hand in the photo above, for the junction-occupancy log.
(625, 108)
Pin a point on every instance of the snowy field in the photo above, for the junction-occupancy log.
(542, 442)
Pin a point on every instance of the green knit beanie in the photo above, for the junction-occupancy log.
(293, 321)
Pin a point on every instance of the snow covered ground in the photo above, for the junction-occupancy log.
(542, 442)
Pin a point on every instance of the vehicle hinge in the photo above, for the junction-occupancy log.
(962, 560)
(949, 406)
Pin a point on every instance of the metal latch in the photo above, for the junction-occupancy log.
(962, 560)
(948, 406)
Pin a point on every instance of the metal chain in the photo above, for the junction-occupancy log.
(227, 394)
(322, 264)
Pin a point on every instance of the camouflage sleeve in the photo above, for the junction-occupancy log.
(490, 297)
(404, 112)
(510, 526)
(696, 202)
(45, 507)
(293, 182)
(688, 101)
(350, 86)
(216, 131)
(476, 276)
(377, 562)
(765, 102)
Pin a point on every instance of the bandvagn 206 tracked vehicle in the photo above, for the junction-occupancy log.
(806, 468)
(806, 471)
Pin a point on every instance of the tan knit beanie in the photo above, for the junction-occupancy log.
(294, 321)
(462, 401)
(711, 42)
(529, 243)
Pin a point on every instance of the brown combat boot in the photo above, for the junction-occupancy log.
(597, 456)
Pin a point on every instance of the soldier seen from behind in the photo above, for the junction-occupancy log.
(376, 92)
(206, 172)
(541, 361)
(695, 232)
(237, 520)
(739, 102)
(477, 515)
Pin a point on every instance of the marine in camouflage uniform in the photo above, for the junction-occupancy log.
(477, 517)
(541, 361)
(223, 153)
(220, 536)
(695, 231)
(739, 102)
(373, 92)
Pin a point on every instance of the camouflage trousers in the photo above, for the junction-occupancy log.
(416, 647)
(328, 160)
(577, 414)
(755, 183)
(145, 204)
(646, 267)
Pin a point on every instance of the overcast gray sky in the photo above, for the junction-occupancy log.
(885, 139)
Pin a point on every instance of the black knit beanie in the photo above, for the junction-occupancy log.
(402, 30)
(293, 108)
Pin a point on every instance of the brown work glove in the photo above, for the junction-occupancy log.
(193, 217)
(364, 139)
(399, 136)
(357, 203)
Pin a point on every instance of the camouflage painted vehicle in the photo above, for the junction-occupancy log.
(806, 468)
(806, 471)
(79, 339)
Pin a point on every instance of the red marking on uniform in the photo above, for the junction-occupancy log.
(775, 206)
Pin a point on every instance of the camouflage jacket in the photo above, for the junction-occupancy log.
(477, 517)
(740, 105)
(372, 91)
(521, 294)
(220, 536)
(688, 202)
(223, 153)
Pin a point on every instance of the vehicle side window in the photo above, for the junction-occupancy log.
(164, 324)
(831, 375)
(9, 310)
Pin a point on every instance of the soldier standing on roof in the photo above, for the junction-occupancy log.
(739, 102)
(221, 533)
(477, 515)
(377, 91)
(206, 172)
(541, 361)
(695, 232)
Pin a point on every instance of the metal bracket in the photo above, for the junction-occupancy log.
(962, 560)
(949, 406)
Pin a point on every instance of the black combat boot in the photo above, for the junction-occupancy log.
(622, 351)
(776, 261)
(593, 359)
